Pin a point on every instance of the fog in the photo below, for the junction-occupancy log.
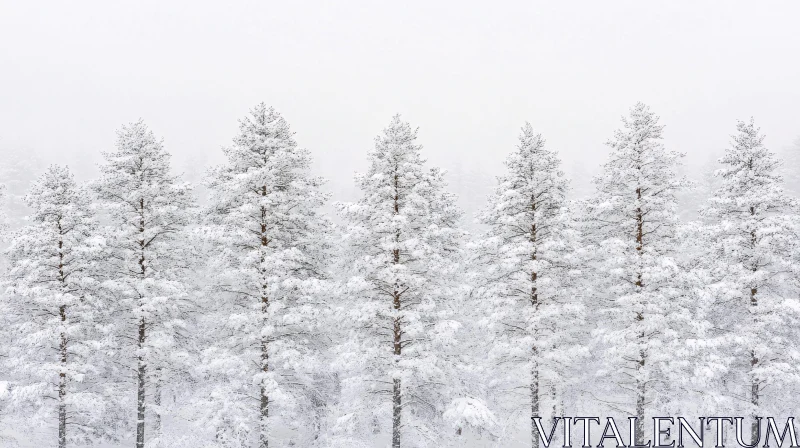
(469, 74)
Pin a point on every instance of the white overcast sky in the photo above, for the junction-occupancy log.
(469, 74)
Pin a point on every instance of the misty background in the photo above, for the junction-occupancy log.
(469, 74)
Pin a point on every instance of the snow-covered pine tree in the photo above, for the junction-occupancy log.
(634, 215)
(753, 250)
(52, 261)
(271, 243)
(149, 209)
(524, 281)
(402, 243)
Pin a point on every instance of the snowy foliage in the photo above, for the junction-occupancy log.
(634, 220)
(145, 272)
(266, 327)
(525, 278)
(53, 301)
(402, 248)
(752, 258)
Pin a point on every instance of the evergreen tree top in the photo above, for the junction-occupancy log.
(396, 144)
(264, 131)
(51, 192)
(748, 157)
(138, 151)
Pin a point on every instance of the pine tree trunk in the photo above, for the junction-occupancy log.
(264, 401)
(534, 299)
(62, 384)
(534, 399)
(62, 376)
(397, 407)
(140, 392)
(640, 395)
(142, 365)
(319, 414)
(264, 437)
(397, 393)
(754, 394)
(640, 388)
(640, 382)
(534, 368)
(157, 403)
(264, 405)
(397, 397)
(754, 386)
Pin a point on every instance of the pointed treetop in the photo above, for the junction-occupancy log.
(137, 136)
(530, 138)
(747, 152)
(639, 126)
(137, 150)
(263, 128)
(265, 142)
(398, 131)
(397, 142)
(55, 187)
(531, 157)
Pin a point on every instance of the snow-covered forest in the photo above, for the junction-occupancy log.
(239, 306)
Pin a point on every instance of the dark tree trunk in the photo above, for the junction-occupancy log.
(397, 333)
(397, 407)
(264, 435)
(640, 395)
(641, 388)
(140, 390)
(754, 384)
(62, 348)
(534, 400)
(62, 384)
(534, 386)
(157, 403)
(264, 396)
(534, 300)
(141, 378)
(397, 395)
